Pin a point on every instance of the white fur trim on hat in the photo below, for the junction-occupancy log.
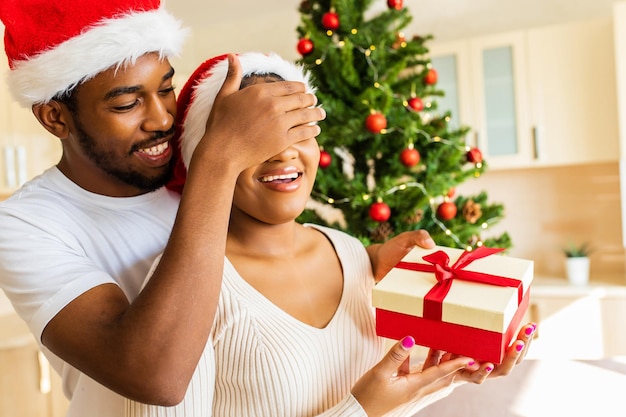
(111, 43)
(207, 88)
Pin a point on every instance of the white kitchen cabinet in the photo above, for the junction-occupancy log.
(26, 148)
(577, 322)
(538, 97)
(573, 89)
(28, 386)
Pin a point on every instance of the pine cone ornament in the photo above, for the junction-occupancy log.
(382, 232)
(471, 211)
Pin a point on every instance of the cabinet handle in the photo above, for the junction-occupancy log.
(9, 164)
(45, 385)
(20, 153)
(535, 142)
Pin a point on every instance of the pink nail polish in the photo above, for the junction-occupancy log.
(470, 363)
(489, 369)
(408, 342)
(519, 347)
(529, 331)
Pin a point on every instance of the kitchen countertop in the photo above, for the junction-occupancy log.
(610, 285)
(15, 333)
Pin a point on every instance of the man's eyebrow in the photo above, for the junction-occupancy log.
(116, 92)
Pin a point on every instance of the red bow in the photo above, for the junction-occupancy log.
(445, 274)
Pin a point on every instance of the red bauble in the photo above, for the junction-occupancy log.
(451, 192)
(446, 210)
(330, 21)
(305, 46)
(409, 157)
(394, 4)
(376, 122)
(380, 212)
(474, 156)
(431, 77)
(416, 104)
(325, 159)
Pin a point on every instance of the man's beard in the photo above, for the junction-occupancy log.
(106, 161)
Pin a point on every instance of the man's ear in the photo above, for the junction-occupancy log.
(54, 117)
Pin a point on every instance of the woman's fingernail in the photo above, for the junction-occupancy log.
(529, 331)
(489, 369)
(519, 346)
(408, 342)
(470, 363)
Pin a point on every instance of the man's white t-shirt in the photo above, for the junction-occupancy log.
(58, 241)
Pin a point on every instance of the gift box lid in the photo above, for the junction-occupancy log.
(473, 304)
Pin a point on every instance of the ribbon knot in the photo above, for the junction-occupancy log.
(439, 264)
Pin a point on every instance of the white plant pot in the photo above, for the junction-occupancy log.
(577, 270)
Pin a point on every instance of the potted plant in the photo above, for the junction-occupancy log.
(577, 263)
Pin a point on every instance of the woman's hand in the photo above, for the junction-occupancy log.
(390, 383)
(514, 354)
(384, 256)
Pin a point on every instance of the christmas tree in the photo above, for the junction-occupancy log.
(389, 160)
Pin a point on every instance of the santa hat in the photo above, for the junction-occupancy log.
(54, 45)
(196, 98)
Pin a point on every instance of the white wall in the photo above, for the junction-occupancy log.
(275, 32)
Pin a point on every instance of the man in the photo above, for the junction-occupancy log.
(77, 241)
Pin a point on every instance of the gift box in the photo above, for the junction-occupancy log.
(466, 302)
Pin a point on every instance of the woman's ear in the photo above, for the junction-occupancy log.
(54, 117)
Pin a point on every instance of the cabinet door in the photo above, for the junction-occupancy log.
(490, 93)
(20, 384)
(499, 77)
(451, 60)
(8, 179)
(26, 148)
(572, 68)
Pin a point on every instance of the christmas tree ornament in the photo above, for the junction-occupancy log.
(409, 157)
(451, 192)
(330, 21)
(305, 7)
(446, 210)
(400, 41)
(395, 4)
(471, 211)
(475, 156)
(305, 46)
(325, 159)
(431, 77)
(379, 212)
(416, 104)
(376, 122)
(381, 232)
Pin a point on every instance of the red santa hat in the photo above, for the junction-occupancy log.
(54, 45)
(196, 98)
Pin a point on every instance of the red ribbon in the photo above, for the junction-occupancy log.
(445, 274)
